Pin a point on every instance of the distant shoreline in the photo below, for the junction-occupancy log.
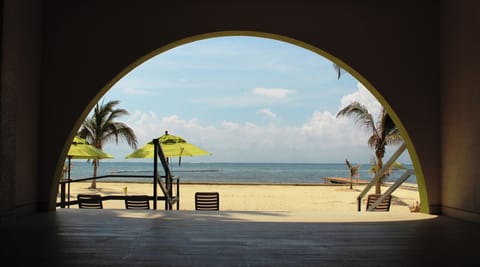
(229, 173)
(405, 185)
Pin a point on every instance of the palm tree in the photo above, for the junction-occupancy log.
(384, 132)
(101, 128)
(353, 172)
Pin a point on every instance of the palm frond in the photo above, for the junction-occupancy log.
(129, 136)
(348, 164)
(360, 114)
(353, 169)
(373, 140)
(338, 70)
(101, 127)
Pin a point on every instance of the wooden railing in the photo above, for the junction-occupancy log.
(380, 174)
(169, 196)
(173, 197)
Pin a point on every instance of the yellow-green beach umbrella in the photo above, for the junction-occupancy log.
(81, 149)
(172, 146)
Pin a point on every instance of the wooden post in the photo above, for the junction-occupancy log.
(69, 166)
(155, 162)
(178, 193)
(62, 194)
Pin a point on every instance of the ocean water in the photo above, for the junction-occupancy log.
(256, 173)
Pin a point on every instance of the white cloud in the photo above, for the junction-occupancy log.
(135, 91)
(364, 97)
(320, 138)
(148, 125)
(256, 97)
(230, 125)
(276, 93)
(267, 113)
(234, 101)
(323, 138)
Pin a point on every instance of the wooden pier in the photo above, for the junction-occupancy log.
(344, 180)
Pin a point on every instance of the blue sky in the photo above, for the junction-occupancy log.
(245, 99)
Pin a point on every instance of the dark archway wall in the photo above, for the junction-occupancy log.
(21, 56)
(460, 79)
(86, 46)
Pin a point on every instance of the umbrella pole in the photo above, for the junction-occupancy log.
(69, 164)
(155, 163)
(62, 188)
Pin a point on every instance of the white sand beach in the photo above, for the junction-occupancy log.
(313, 198)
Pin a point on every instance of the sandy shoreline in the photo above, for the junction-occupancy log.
(234, 197)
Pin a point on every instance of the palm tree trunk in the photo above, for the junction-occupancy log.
(94, 181)
(378, 185)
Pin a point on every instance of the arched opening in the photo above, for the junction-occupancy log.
(397, 120)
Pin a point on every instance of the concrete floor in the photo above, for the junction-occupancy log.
(73, 237)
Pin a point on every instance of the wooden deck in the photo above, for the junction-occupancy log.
(73, 237)
(343, 180)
